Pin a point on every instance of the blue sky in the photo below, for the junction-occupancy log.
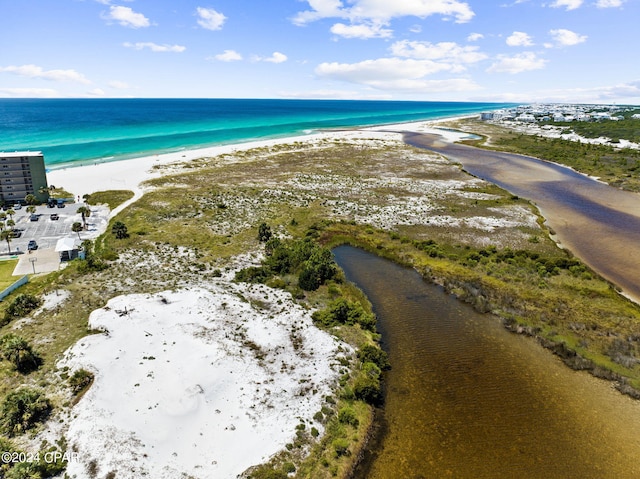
(579, 51)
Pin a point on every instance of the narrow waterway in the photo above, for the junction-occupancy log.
(467, 399)
(598, 223)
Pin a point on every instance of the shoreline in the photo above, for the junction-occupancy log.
(129, 174)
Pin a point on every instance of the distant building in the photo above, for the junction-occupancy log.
(22, 173)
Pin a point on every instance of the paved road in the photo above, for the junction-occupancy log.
(598, 223)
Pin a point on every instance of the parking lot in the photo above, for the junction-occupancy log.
(47, 231)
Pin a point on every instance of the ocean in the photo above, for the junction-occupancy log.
(80, 131)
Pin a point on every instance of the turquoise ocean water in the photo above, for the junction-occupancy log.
(79, 131)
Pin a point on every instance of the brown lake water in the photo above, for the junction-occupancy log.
(598, 223)
(467, 399)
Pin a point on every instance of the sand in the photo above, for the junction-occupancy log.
(130, 174)
(203, 381)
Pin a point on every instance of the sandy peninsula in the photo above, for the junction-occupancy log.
(202, 380)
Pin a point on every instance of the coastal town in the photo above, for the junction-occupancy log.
(560, 113)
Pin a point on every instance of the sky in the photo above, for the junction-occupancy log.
(525, 51)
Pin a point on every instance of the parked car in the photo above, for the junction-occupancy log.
(34, 217)
(32, 245)
(17, 206)
(55, 216)
(61, 204)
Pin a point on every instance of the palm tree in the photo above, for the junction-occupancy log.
(17, 350)
(31, 209)
(11, 212)
(85, 212)
(76, 228)
(6, 235)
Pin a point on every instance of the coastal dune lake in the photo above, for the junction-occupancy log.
(598, 223)
(467, 399)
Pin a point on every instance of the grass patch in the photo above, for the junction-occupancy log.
(111, 198)
(6, 273)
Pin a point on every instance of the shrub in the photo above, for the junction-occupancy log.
(375, 355)
(346, 415)
(22, 305)
(341, 447)
(17, 350)
(80, 380)
(368, 389)
(264, 233)
(342, 311)
(22, 410)
(119, 230)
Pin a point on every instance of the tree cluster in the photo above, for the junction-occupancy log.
(313, 264)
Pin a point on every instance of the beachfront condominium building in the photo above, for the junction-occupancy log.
(22, 173)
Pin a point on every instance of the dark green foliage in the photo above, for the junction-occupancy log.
(17, 350)
(80, 380)
(308, 279)
(22, 305)
(346, 415)
(368, 389)
(22, 410)
(373, 354)
(342, 311)
(313, 264)
(264, 233)
(119, 230)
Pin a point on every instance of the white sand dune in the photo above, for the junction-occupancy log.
(200, 382)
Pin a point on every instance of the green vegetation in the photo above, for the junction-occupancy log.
(627, 129)
(620, 167)
(17, 350)
(190, 225)
(21, 305)
(21, 410)
(111, 198)
(6, 273)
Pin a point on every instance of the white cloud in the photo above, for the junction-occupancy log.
(34, 71)
(28, 93)
(210, 19)
(521, 62)
(570, 4)
(519, 39)
(566, 38)
(154, 47)
(383, 11)
(395, 74)
(474, 37)
(228, 56)
(362, 31)
(126, 17)
(609, 3)
(445, 51)
(277, 57)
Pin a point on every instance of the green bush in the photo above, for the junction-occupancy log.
(346, 415)
(342, 311)
(17, 350)
(373, 354)
(22, 305)
(21, 410)
(341, 447)
(80, 380)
